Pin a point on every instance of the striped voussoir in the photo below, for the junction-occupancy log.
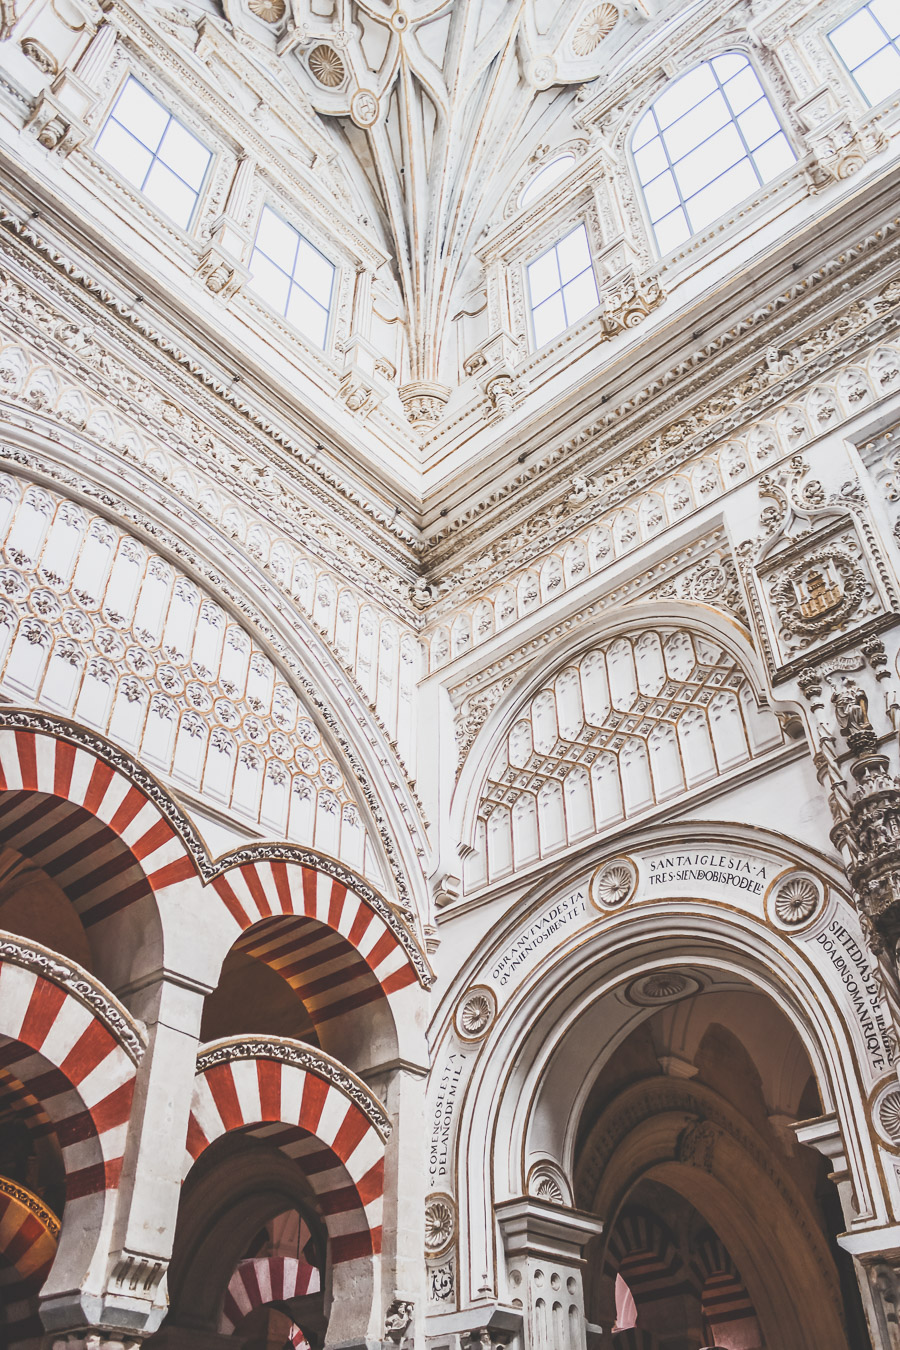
(724, 1295)
(334, 950)
(646, 1257)
(266, 1279)
(28, 1236)
(67, 1058)
(313, 1121)
(86, 824)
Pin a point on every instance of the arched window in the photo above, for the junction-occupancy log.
(562, 286)
(868, 43)
(708, 141)
(544, 179)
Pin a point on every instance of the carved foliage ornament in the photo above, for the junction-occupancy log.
(614, 883)
(476, 1012)
(440, 1224)
(796, 899)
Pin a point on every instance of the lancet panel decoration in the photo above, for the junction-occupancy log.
(630, 724)
(96, 626)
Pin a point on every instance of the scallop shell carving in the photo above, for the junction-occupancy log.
(326, 66)
(545, 1182)
(890, 1115)
(475, 1013)
(796, 900)
(270, 11)
(666, 985)
(613, 883)
(440, 1224)
(594, 27)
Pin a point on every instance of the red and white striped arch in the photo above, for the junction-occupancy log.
(266, 1279)
(86, 823)
(307, 1114)
(73, 1062)
(331, 946)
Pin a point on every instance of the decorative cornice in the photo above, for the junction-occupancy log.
(75, 980)
(285, 1051)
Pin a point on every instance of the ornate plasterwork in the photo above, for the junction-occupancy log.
(627, 723)
(122, 326)
(817, 575)
(741, 400)
(315, 1061)
(175, 547)
(795, 900)
(75, 980)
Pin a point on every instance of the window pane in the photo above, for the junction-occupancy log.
(684, 94)
(306, 315)
(574, 254)
(858, 38)
(661, 196)
(580, 296)
(710, 160)
(887, 12)
(650, 161)
(543, 277)
(774, 157)
(269, 282)
(276, 239)
(721, 195)
(743, 90)
(126, 155)
(758, 124)
(168, 192)
(184, 154)
(140, 112)
(314, 272)
(690, 130)
(880, 76)
(645, 129)
(672, 230)
(549, 320)
(730, 64)
(544, 180)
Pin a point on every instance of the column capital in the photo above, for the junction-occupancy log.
(533, 1227)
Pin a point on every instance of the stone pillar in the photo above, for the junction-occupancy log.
(544, 1244)
(131, 1302)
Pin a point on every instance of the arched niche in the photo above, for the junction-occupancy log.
(656, 704)
(555, 980)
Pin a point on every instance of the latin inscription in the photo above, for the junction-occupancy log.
(722, 869)
(529, 944)
(443, 1116)
(850, 962)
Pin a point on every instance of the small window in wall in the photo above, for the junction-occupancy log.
(292, 276)
(708, 141)
(562, 286)
(154, 152)
(544, 179)
(868, 43)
